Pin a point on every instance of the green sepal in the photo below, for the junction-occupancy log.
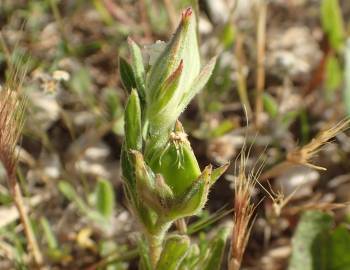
(163, 191)
(138, 68)
(126, 75)
(182, 46)
(216, 173)
(194, 198)
(151, 188)
(161, 106)
(133, 126)
(174, 251)
(197, 85)
(178, 165)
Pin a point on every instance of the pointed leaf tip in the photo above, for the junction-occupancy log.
(186, 15)
(216, 173)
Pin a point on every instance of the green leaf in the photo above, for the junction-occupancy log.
(217, 248)
(270, 105)
(138, 68)
(174, 252)
(227, 36)
(132, 122)
(332, 23)
(334, 74)
(48, 233)
(126, 75)
(311, 225)
(67, 190)
(105, 199)
(339, 249)
(223, 128)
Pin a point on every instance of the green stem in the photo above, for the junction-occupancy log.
(155, 241)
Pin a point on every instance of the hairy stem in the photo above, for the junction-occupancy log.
(155, 241)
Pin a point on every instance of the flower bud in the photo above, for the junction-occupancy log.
(177, 163)
(172, 75)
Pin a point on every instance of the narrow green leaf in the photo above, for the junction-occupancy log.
(207, 220)
(105, 199)
(334, 75)
(311, 225)
(133, 128)
(332, 23)
(217, 248)
(174, 252)
(67, 190)
(48, 233)
(138, 68)
(270, 105)
(126, 75)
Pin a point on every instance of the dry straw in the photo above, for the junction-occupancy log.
(12, 109)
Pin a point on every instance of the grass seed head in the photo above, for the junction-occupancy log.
(12, 109)
(304, 155)
(243, 211)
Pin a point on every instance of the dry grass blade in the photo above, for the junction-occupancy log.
(12, 109)
(305, 154)
(243, 208)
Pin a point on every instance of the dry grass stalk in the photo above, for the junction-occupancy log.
(241, 76)
(12, 109)
(260, 75)
(243, 209)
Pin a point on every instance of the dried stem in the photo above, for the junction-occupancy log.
(241, 77)
(12, 109)
(260, 75)
(33, 246)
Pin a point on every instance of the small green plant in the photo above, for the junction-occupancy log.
(163, 180)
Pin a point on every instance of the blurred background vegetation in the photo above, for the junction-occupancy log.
(284, 65)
